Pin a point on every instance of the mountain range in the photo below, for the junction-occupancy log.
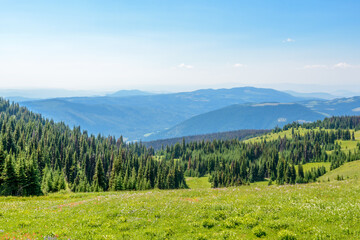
(139, 115)
(136, 117)
(248, 116)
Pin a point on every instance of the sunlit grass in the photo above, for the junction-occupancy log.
(196, 183)
(307, 211)
(345, 145)
(348, 170)
(309, 166)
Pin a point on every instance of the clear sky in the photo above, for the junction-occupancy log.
(306, 45)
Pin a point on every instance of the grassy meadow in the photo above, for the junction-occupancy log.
(308, 211)
(309, 166)
(328, 209)
(345, 145)
(346, 171)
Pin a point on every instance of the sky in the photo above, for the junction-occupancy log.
(302, 45)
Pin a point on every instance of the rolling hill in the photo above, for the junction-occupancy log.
(339, 106)
(348, 170)
(128, 93)
(138, 116)
(238, 134)
(247, 116)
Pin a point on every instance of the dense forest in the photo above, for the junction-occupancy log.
(234, 162)
(38, 156)
(239, 134)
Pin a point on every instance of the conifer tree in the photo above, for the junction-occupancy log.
(99, 180)
(9, 177)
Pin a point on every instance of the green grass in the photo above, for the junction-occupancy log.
(198, 183)
(345, 145)
(348, 145)
(327, 210)
(309, 166)
(271, 136)
(348, 170)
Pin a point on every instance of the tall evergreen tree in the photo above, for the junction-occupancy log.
(99, 180)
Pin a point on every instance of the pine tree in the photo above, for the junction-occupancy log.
(22, 178)
(9, 177)
(99, 180)
(33, 179)
(2, 165)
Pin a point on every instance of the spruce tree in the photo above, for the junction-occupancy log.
(99, 180)
(9, 177)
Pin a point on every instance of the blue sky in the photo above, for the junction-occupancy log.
(180, 45)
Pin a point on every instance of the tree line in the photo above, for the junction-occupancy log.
(38, 156)
(234, 162)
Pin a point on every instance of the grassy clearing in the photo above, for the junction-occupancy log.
(271, 136)
(348, 145)
(345, 145)
(348, 170)
(273, 212)
(198, 183)
(309, 166)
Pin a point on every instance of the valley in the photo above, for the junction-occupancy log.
(190, 120)
(142, 116)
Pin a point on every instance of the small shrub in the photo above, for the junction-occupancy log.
(229, 224)
(249, 222)
(259, 231)
(232, 222)
(122, 219)
(208, 223)
(286, 235)
(219, 216)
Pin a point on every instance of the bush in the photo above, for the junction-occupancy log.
(249, 222)
(208, 223)
(286, 235)
(232, 222)
(259, 231)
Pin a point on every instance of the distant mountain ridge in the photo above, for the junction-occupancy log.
(128, 93)
(138, 116)
(340, 106)
(238, 134)
(242, 116)
(314, 95)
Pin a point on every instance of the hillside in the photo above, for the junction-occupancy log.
(336, 107)
(348, 170)
(128, 93)
(38, 156)
(239, 134)
(135, 117)
(269, 212)
(247, 116)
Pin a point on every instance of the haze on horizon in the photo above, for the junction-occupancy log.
(179, 46)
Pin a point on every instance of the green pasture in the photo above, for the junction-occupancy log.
(305, 211)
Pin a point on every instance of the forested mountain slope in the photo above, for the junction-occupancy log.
(336, 107)
(39, 156)
(238, 134)
(135, 117)
(245, 116)
(234, 162)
